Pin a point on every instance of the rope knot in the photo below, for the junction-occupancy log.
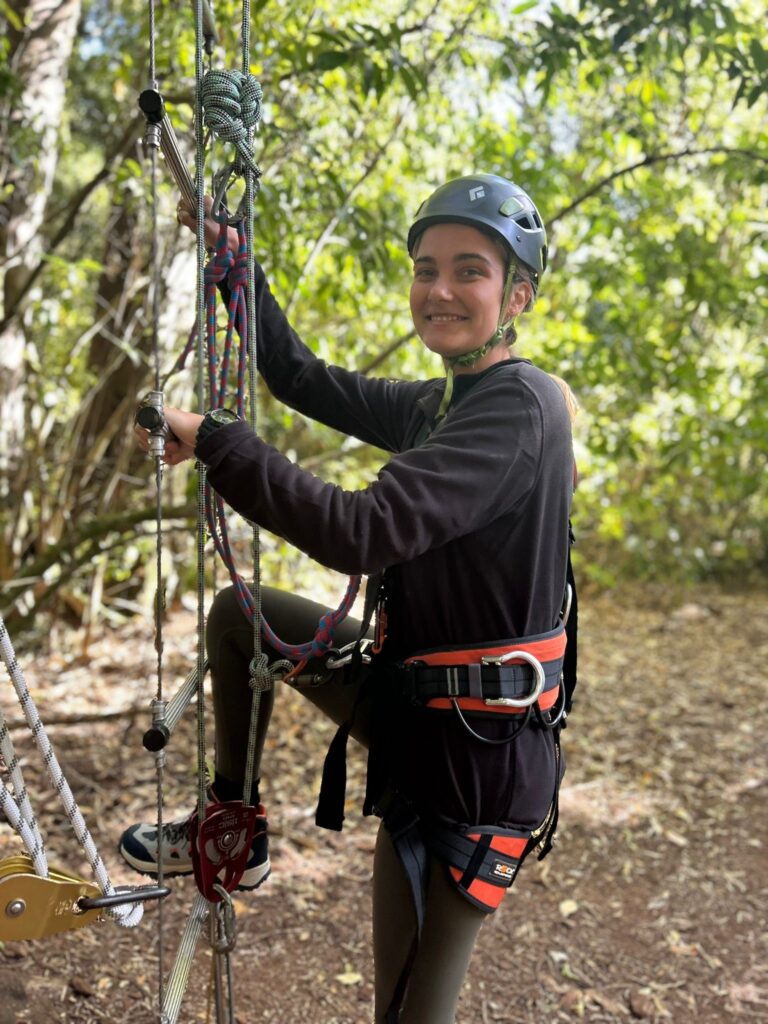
(232, 108)
(217, 268)
(323, 638)
(261, 677)
(238, 275)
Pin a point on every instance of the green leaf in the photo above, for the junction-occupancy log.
(331, 59)
(11, 15)
(759, 55)
(756, 92)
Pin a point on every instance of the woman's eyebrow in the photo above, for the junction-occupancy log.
(471, 256)
(456, 259)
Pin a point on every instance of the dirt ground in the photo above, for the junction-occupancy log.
(652, 906)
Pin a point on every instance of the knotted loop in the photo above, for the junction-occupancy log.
(238, 275)
(261, 676)
(231, 109)
(217, 268)
(323, 639)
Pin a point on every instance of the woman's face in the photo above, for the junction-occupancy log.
(458, 281)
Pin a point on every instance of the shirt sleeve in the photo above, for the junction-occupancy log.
(480, 463)
(374, 410)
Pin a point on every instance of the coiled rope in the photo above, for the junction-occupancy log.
(19, 811)
(231, 110)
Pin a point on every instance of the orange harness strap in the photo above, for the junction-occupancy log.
(489, 678)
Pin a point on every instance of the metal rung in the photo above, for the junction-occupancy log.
(182, 965)
(158, 734)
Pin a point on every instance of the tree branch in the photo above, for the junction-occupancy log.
(64, 551)
(87, 717)
(74, 207)
(387, 352)
(647, 161)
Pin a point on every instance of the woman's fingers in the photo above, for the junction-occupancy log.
(188, 217)
(142, 437)
(175, 450)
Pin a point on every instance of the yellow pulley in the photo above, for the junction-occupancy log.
(32, 907)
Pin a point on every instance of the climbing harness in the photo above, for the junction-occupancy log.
(530, 679)
(35, 899)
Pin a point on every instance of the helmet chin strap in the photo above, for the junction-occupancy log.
(476, 354)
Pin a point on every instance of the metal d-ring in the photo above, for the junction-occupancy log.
(567, 602)
(530, 698)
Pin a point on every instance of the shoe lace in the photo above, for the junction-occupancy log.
(176, 831)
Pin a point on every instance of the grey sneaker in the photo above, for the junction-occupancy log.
(139, 848)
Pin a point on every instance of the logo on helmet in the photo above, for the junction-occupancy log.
(476, 193)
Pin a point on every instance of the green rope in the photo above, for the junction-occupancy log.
(231, 110)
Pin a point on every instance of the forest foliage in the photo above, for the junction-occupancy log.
(640, 130)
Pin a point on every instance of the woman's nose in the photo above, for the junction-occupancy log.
(441, 288)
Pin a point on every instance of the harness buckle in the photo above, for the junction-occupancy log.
(539, 679)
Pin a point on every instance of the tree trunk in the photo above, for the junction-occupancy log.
(40, 39)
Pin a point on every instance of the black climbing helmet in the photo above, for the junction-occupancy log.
(491, 203)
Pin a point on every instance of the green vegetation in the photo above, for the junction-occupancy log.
(639, 129)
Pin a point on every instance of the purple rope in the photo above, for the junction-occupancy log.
(235, 270)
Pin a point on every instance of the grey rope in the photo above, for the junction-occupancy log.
(201, 402)
(153, 140)
(182, 965)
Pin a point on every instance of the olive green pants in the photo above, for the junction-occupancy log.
(451, 923)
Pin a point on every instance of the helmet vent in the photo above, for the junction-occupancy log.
(524, 222)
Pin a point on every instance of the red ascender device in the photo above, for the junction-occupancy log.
(221, 846)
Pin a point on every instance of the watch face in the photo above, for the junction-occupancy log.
(223, 415)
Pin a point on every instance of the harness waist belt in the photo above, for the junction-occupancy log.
(484, 682)
(507, 676)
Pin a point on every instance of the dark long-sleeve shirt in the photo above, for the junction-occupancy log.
(469, 517)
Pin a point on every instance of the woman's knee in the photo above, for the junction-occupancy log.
(224, 611)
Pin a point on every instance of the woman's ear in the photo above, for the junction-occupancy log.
(522, 293)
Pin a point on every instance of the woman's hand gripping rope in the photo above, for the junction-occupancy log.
(183, 426)
(187, 216)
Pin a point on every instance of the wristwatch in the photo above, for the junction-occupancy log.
(214, 419)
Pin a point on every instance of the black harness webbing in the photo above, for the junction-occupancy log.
(482, 682)
(404, 829)
(330, 803)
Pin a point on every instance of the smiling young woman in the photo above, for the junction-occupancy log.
(464, 535)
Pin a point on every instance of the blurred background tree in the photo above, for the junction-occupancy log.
(639, 129)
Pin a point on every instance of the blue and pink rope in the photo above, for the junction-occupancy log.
(225, 265)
